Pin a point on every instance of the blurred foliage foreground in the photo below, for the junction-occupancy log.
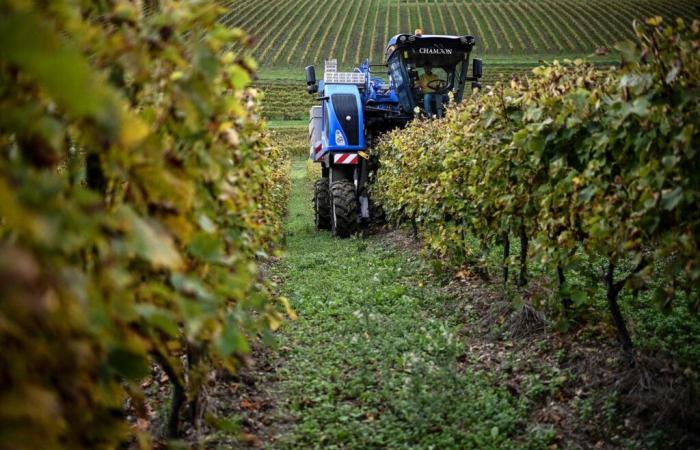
(138, 192)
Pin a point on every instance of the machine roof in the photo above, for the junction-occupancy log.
(430, 43)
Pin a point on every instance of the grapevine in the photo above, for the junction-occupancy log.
(502, 164)
(138, 191)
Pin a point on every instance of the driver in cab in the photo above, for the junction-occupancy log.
(429, 95)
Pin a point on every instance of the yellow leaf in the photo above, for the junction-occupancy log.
(288, 307)
(179, 226)
(274, 320)
(228, 58)
(177, 75)
(655, 21)
(225, 126)
(133, 131)
(149, 241)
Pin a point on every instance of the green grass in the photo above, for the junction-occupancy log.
(281, 73)
(301, 124)
(372, 361)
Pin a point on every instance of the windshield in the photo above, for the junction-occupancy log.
(430, 72)
(430, 79)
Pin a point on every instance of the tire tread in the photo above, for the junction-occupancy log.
(322, 204)
(344, 201)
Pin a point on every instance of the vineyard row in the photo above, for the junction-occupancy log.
(287, 34)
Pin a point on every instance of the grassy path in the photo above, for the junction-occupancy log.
(375, 359)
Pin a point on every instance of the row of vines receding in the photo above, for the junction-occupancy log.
(138, 191)
(593, 172)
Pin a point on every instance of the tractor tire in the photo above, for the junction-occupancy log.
(322, 204)
(344, 207)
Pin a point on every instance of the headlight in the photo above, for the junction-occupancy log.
(339, 139)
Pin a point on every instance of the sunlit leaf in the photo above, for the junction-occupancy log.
(149, 241)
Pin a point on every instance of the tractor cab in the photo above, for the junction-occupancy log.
(425, 69)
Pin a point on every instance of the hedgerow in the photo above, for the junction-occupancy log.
(581, 165)
(137, 192)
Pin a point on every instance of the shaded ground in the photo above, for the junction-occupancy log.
(388, 353)
(375, 359)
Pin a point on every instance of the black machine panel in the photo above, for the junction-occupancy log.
(403, 83)
(345, 108)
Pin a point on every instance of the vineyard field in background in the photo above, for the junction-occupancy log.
(512, 36)
(292, 137)
(290, 33)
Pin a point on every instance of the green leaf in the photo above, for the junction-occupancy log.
(238, 76)
(628, 49)
(34, 46)
(191, 286)
(207, 247)
(579, 297)
(671, 199)
(128, 363)
(536, 145)
(588, 193)
(639, 107)
(232, 340)
(205, 61)
(148, 240)
(159, 318)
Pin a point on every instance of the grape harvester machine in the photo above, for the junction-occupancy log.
(357, 107)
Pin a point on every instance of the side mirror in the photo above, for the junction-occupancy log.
(310, 75)
(311, 86)
(477, 69)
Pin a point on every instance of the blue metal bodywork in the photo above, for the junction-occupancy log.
(332, 124)
(378, 93)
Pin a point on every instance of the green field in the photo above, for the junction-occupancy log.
(285, 99)
(296, 33)
(512, 35)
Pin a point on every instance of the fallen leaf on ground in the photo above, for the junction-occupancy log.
(247, 404)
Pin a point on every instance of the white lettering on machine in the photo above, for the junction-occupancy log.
(435, 51)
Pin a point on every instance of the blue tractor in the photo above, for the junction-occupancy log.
(424, 72)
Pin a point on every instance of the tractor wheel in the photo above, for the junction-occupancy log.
(322, 204)
(344, 208)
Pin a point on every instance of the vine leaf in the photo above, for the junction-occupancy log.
(670, 199)
(149, 241)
